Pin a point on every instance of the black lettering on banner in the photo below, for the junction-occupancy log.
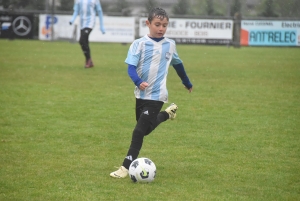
(272, 36)
(201, 33)
(287, 36)
(264, 23)
(228, 25)
(252, 37)
(277, 38)
(207, 25)
(172, 24)
(177, 32)
(293, 37)
(290, 25)
(202, 41)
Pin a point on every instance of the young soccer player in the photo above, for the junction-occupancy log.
(87, 10)
(148, 61)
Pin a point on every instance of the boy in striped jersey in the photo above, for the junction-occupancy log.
(87, 9)
(148, 61)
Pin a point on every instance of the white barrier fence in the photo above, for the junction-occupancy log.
(208, 31)
(118, 29)
(197, 31)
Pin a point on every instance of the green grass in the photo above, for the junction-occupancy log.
(64, 128)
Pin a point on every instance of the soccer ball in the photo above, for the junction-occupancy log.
(142, 170)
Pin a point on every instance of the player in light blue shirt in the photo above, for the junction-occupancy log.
(148, 61)
(87, 9)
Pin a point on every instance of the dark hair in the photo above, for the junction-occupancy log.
(157, 12)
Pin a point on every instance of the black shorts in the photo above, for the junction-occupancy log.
(147, 109)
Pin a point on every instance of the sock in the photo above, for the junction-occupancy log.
(131, 156)
(162, 116)
(87, 56)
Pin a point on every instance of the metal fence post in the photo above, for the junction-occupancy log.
(237, 30)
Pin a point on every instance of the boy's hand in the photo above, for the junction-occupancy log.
(102, 30)
(143, 86)
(190, 89)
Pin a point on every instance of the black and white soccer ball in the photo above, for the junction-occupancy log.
(142, 170)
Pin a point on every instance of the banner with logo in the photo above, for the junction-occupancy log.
(16, 26)
(270, 33)
(204, 31)
(118, 29)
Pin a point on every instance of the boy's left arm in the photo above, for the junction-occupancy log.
(75, 13)
(183, 76)
(100, 15)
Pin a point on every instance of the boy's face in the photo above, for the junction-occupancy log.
(157, 27)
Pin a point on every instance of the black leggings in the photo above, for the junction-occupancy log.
(84, 42)
(148, 117)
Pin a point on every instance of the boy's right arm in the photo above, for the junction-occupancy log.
(133, 75)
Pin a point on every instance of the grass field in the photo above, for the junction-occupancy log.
(64, 128)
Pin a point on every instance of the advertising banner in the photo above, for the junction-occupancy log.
(118, 29)
(270, 33)
(16, 26)
(205, 31)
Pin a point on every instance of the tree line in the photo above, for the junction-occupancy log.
(265, 8)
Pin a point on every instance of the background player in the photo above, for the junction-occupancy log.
(87, 9)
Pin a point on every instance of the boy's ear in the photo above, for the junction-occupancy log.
(147, 23)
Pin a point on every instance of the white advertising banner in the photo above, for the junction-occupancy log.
(118, 29)
(207, 31)
(270, 33)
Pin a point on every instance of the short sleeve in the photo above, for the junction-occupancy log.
(134, 54)
(175, 59)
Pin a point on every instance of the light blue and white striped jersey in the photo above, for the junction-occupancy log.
(87, 9)
(152, 60)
